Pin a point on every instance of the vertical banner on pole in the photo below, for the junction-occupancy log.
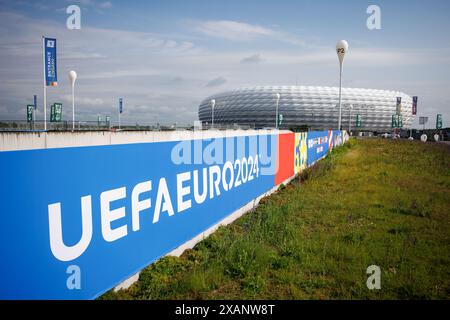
(439, 121)
(30, 113)
(51, 76)
(398, 108)
(394, 123)
(358, 121)
(120, 109)
(50, 69)
(52, 113)
(414, 106)
(57, 110)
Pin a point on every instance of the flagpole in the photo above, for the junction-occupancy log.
(45, 85)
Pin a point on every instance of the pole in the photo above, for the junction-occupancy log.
(340, 91)
(350, 119)
(276, 112)
(45, 85)
(213, 104)
(119, 119)
(73, 106)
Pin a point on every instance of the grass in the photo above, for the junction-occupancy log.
(378, 202)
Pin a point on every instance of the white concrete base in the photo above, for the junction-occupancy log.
(227, 220)
(127, 283)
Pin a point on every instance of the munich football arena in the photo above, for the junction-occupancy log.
(306, 107)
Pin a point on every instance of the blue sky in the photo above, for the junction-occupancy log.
(164, 57)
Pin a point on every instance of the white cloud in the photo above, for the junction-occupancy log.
(232, 30)
(166, 77)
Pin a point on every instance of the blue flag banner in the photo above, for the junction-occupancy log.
(120, 105)
(51, 78)
(414, 106)
(35, 102)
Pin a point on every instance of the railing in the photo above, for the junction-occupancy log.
(20, 125)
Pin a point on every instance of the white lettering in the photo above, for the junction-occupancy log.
(162, 195)
(138, 206)
(108, 215)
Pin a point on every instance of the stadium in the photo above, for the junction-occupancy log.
(305, 107)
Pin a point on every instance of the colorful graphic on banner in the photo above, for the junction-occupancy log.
(301, 151)
(285, 157)
(50, 62)
(330, 140)
(317, 146)
(337, 138)
(345, 136)
(110, 228)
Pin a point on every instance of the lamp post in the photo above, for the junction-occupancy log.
(213, 104)
(276, 110)
(72, 78)
(341, 50)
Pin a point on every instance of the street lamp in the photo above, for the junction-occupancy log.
(341, 50)
(72, 78)
(276, 112)
(213, 104)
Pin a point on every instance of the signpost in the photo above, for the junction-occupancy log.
(50, 69)
(341, 50)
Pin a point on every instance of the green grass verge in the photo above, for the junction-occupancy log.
(370, 202)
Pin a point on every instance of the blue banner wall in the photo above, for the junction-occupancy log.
(318, 145)
(78, 221)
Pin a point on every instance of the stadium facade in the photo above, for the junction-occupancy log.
(306, 107)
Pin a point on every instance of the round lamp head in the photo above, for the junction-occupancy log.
(278, 96)
(213, 102)
(72, 76)
(341, 50)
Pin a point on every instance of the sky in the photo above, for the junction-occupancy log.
(164, 57)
